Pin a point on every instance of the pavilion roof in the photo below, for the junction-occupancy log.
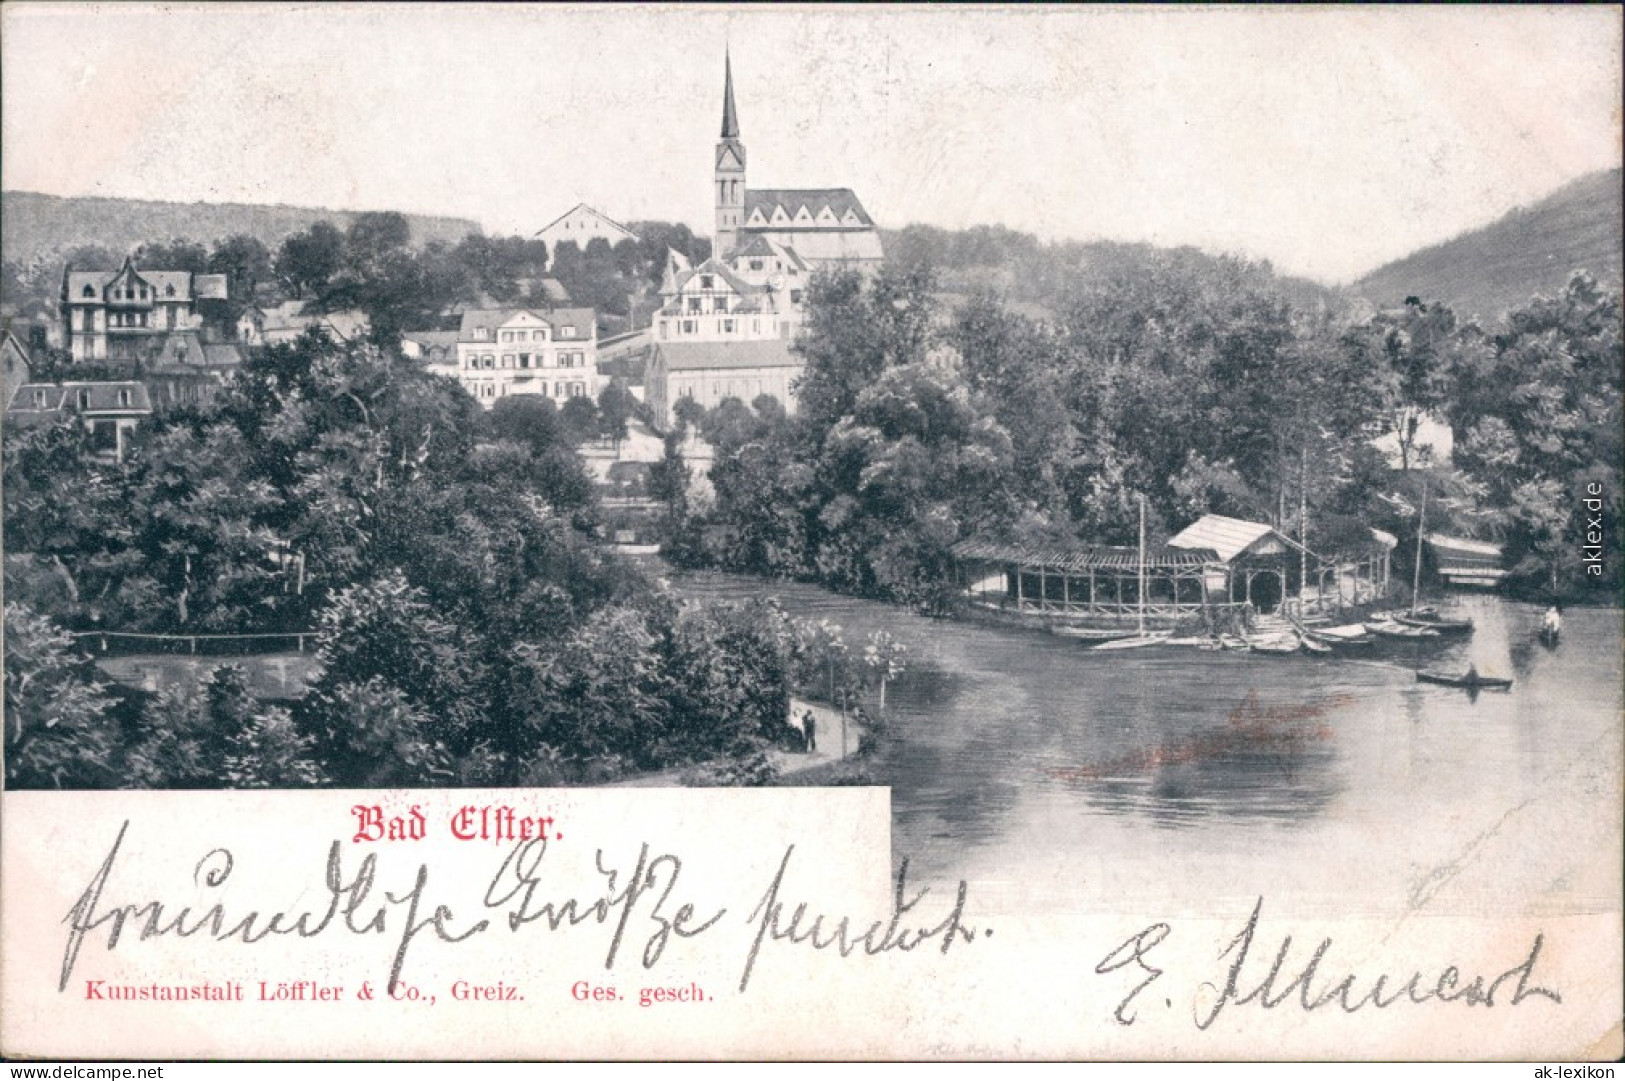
(1081, 557)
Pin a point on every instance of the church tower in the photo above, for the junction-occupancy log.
(730, 170)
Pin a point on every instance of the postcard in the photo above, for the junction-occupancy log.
(812, 533)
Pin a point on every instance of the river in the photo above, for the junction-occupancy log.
(1042, 772)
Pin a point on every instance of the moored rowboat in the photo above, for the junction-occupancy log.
(1399, 631)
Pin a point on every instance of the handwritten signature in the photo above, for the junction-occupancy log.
(1309, 984)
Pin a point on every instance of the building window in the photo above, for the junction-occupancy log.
(84, 399)
(143, 318)
(727, 326)
(169, 290)
(577, 390)
(124, 397)
(795, 296)
(693, 304)
(481, 334)
(524, 360)
(39, 399)
(719, 304)
(89, 292)
(756, 264)
(707, 281)
(507, 360)
(567, 332)
(488, 361)
(688, 326)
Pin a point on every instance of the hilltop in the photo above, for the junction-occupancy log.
(34, 225)
(1531, 250)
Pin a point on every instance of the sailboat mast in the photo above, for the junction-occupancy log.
(1303, 527)
(1421, 528)
(1142, 566)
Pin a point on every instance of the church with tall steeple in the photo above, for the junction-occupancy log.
(822, 225)
(725, 328)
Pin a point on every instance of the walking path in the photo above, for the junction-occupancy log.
(788, 763)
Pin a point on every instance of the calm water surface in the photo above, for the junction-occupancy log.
(1044, 773)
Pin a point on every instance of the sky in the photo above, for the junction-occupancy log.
(1326, 140)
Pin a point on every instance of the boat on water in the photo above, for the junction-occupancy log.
(1470, 680)
(1395, 629)
(1137, 641)
(1308, 644)
(1348, 634)
(1348, 631)
(1090, 634)
(1436, 623)
(1276, 644)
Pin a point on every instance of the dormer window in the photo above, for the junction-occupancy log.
(567, 331)
(123, 397)
(89, 292)
(707, 281)
(169, 290)
(39, 399)
(84, 399)
(481, 334)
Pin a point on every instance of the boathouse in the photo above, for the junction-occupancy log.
(1078, 581)
(1465, 562)
(1209, 574)
(1261, 566)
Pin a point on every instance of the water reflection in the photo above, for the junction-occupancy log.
(1029, 761)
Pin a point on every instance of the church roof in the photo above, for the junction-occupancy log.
(837, 200)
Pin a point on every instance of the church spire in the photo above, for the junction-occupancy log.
(730, 119)
(730, 170)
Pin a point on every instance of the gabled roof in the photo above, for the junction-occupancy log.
(180, 347)
(726, 356)
(814, 200)
(757, 246)
(186, 285)
(722, 270)
(606, 219)
(1229, 537)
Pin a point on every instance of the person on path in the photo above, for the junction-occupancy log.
(809, 730)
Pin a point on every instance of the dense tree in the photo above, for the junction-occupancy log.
(1538, 423)
(307, 261)
(183, 255)
(60, 724)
